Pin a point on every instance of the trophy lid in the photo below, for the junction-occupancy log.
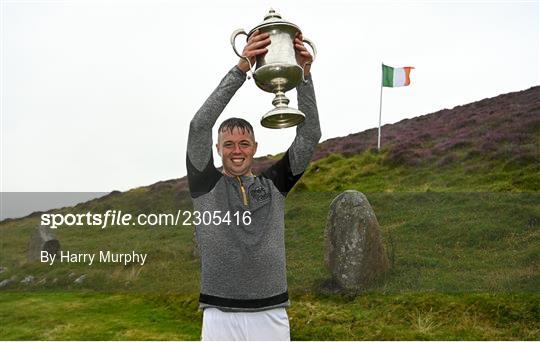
(272, 18)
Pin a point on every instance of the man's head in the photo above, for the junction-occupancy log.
(236, 145)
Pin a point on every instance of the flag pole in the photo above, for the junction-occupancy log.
(380, 111)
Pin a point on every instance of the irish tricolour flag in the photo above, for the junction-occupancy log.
(396, 77)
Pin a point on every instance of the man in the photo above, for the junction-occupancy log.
(243, 274)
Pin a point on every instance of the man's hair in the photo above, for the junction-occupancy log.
(232, 123)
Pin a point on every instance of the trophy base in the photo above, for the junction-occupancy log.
(282, 117)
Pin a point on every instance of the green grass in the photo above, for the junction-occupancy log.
(372, 316)
(445, 242)
(372, 172)
(417, 316)
(463, 241)
(96, 316)
(435, 241)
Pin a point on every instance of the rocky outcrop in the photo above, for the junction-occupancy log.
(355, 256)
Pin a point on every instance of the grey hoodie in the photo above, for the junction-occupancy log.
(243, 265)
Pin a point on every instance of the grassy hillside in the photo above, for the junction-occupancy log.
(489, 145)
(459, 219)
(376, 172)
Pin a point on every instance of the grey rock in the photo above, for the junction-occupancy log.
(5, 282)
(71, 275)
(3, 269)
(42, 281)
(355, 255)
(80, 280)
(43, 239)
(27, 280)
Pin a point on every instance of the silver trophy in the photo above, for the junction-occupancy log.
(277, 71)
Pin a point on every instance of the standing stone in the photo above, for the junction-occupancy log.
(43, 239)
(355, 255)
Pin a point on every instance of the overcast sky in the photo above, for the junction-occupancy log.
(98, 95)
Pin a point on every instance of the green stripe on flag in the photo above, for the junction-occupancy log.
(387, 76)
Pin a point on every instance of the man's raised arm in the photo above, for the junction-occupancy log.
(288, 170)
(308, 133)
(199, 150)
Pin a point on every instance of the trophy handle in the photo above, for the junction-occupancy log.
(233, 38)
(235, 34)
(310, 43)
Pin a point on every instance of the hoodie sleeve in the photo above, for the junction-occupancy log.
(308, 133)
(287, 171)
(200, 164)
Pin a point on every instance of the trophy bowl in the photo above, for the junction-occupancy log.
(277, 71)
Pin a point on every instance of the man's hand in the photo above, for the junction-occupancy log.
(256, 45)
(304, 57)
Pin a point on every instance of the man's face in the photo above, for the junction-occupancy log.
(236, 150)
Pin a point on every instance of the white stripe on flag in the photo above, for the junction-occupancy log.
(399, 77)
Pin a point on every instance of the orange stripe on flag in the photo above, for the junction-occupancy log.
(407, 77)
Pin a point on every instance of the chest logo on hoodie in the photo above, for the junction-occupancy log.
(260, 194)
